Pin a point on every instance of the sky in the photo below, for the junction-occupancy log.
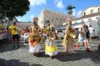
(36, 7)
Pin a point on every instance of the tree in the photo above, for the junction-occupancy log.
(70, 9)
(12, 8)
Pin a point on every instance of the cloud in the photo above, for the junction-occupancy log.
(59, 3)
(37, 2)
(32, 16)
(79, 13)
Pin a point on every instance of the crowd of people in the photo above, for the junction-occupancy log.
(47, 36)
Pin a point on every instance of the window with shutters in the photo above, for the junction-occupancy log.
(98, 9)
(91, 12)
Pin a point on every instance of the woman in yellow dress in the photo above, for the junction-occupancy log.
(51, 48)
(34, 41)
(68, 40)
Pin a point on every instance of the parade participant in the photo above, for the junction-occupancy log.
(48, 28)
(50, 47)
(83, 38)
(88, 36)
(34, 41)
(68, 38)
(44, 33)
(14, 32)
(35, 21)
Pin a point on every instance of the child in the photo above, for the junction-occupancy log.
(80, 38)
(34, 41)
(51, 48)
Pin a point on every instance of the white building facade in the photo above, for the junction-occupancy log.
(91, 10)
(7, 22)
(90, 16)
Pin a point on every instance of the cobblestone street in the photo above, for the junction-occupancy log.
(21, 56)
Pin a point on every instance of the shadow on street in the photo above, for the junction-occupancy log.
(14, 62)
(94, 56)
(4, 47)
(62, 56)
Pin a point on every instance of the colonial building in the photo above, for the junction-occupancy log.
(90, 16)
(91, 10)
(51, 17)
(23, 25)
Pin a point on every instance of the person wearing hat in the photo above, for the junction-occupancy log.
(35, 21)
(34, 41)
(50, 47)
(68, 40)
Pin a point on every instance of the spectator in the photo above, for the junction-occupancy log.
(91, 30)
(88, 36)
(26, 30)
(8, 33)
(83, 38)
(15, 36)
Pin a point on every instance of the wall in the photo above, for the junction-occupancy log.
(95, 10)
(55, 18)
(93, 22)
(23, 25)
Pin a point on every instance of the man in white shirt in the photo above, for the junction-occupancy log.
(91, 30)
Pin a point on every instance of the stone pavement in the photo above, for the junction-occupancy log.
(21, 57)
